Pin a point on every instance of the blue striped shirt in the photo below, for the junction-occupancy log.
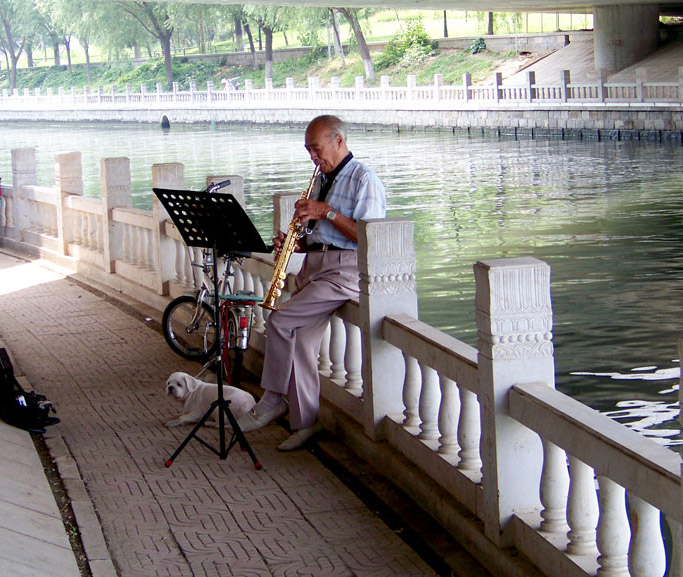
(357, 192)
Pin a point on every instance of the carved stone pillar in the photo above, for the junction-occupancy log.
(116, 192)
(23, 174)
(169, 175)
(386, 260)
(69, 181)
(514, 323)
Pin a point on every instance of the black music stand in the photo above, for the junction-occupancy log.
(215, 221)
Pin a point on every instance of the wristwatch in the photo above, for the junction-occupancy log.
(331, 214)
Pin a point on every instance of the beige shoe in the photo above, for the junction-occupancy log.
(299, 439)
(252, 420)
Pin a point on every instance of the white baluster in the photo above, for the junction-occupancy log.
(145, 245)
(85, 229)
(646, 554)
(53, 221)
(411, 391)
(259, 318)
(469, 431)
(180, 258)
(613, 531)
(324, 363)
(238, 282)
(554, 489)
(352, 359)
(89, 232)
(197, 273)
(248, 285)
(449, 414)
(582, 508)
(337, 343)
(100, 233)
(125, 243)
(429, 404)
(135, 245)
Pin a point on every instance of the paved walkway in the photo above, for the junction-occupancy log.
(105, 368)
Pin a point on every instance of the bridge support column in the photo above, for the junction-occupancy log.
(624, 35)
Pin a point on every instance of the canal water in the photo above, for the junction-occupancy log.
(606, 216)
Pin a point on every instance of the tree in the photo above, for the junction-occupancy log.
(270, 19)
(17, 21)
(154, 18)
(351, 14)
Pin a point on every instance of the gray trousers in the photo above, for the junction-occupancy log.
(295, 330)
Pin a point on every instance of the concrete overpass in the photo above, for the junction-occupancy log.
(624, 33)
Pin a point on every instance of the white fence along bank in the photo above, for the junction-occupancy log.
(639, 106)
(525, 478)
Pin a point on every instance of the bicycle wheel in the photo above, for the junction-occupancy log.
(193, 339)
(234, 354)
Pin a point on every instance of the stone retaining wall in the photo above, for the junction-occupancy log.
(628, 123)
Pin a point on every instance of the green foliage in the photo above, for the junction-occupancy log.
(452, 64)
(318, 51)
(407, 48)
(477, 46)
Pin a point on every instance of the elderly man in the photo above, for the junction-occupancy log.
(348, 191)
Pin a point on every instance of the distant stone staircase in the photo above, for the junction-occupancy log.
(577, 57)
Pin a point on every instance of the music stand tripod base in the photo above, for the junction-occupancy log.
(215, 221)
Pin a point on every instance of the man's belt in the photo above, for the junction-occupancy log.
(321, 247)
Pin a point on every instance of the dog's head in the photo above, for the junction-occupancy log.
(180, 385)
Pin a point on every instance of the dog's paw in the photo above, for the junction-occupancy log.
(174, 423)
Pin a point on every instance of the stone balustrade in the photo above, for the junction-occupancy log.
(426, 97)
(527, 479)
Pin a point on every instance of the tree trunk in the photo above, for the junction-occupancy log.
(445, 25)
(338, 46)
(55, 51)
(28, 48)
(202, 34)
(67, 45)
(86, 49)
(490, 24)
(269, 51)
(247, 29)
(239, 37)
(165, 42)
(351, 16)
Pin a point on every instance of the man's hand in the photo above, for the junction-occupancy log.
(310, 210)
(279, 240)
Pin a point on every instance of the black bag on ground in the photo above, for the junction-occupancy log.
(29, 411)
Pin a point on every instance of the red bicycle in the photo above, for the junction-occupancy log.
(189, 323)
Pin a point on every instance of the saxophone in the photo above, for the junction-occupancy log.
(295, 231)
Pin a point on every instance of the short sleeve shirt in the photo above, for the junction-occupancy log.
(357, 192)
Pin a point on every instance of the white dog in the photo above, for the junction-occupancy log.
(198, 396)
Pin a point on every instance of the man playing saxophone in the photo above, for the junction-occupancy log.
(344, 192)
